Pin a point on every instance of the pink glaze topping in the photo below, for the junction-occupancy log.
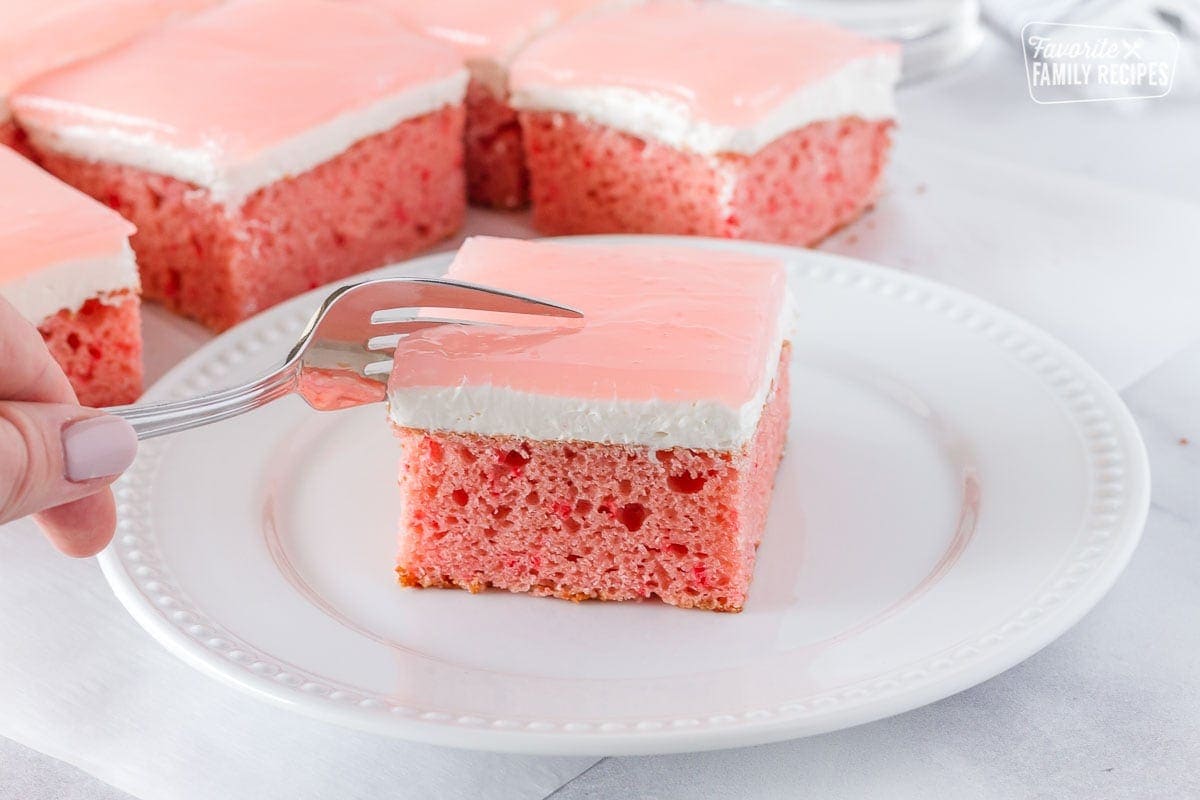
(482, 30)
(239, 78)
(43, 221)
(36, 37)
(678, 324)
(730, 64)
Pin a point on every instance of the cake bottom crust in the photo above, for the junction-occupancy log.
(589, 178)
(583, 520)
(99, 347)
(385, 198)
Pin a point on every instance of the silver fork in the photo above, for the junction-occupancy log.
(344, 356)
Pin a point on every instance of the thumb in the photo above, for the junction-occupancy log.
(51, 454)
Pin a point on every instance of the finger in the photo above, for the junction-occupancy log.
(81, 528)
(51, 454)
(30, 373)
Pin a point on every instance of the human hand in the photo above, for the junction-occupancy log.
(57, 458)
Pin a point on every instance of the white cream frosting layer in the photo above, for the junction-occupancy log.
(862, 88)
(230, 183)
(500, 411)
(67, 285)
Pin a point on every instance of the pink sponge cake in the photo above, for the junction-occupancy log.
(36, 37)
(630, 456)
(488, 35)
(66, 266)
(714, 119)
(262, 148)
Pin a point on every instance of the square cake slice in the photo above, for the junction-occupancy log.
(261, 147)
(488, 36)
(67, 267)
(628, 455)
(703, 118)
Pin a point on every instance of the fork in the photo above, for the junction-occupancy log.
(344, 355)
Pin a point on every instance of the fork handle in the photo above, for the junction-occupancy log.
(159, 419)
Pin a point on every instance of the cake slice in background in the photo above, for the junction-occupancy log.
(262, 148)
(488, 36)
(67, 267)
(713, 119)
(627, 455)
(36, 37)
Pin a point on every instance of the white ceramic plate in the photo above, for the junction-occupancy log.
(958, 490)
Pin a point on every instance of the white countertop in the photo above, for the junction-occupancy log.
(1109, 710)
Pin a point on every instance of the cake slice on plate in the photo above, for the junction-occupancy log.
(66, 266)
(262, 148)
(629, 456)
(488, 36)
(713, 119)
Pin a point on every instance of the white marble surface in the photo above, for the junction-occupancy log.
(1111, 709)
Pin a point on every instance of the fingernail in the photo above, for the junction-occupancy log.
(97, 447)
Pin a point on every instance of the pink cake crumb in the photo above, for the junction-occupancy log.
(333, 389)
(99, 347)
(385, 198)
(495, 158)
(589, 178)
(581, 520)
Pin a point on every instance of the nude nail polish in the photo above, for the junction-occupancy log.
(97, 447)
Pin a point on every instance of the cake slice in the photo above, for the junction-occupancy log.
(261, 147)
(67, 267)
(705, 118)
(630, 456)
(38, 37)
(488, 36)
